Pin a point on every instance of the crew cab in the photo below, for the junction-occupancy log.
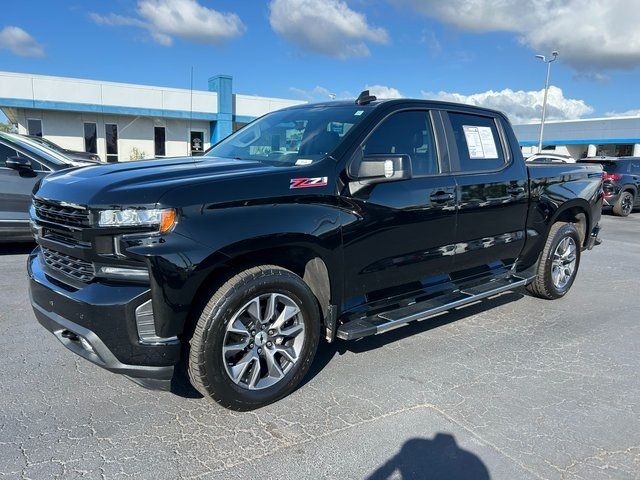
(336, 220)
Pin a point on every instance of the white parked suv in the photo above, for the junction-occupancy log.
(550, 158)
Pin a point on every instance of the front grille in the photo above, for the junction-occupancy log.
(61, 214)
(70, 266)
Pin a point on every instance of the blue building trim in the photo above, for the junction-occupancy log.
(108, 109)
(585, 141)
(223, 126)
(243, 118)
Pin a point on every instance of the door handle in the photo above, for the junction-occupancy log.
(515, 190)
(441, 197)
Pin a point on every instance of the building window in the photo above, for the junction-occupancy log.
(160, 137)
(90, 138)
(615, 150)
(111, 137)
(34, 127)
(197, 143)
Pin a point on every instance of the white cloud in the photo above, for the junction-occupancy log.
(319, 94)
(521, 106)
(20, 42)
(590, 34)
(187, 19)
(628, 113)
(328, 27)
(382, 91)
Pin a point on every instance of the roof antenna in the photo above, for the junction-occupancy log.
(365, 98)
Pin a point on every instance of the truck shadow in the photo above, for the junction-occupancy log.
(16, 248)
(326, 351)
(440, 458)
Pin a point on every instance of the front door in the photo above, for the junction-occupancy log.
(16, 187)
(402, 232)
(493, 193)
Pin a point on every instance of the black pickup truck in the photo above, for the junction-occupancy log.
(333, 220)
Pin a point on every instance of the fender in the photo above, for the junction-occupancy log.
(219, 238)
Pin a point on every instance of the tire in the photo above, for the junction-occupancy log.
(239, 306)
(550, 270)
(624, 205)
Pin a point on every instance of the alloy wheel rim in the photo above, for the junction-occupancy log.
(263, 341)
(563, 265)
(626, 204)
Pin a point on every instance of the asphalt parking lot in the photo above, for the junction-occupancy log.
(514, 387)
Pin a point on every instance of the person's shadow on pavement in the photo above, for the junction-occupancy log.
(440, 458)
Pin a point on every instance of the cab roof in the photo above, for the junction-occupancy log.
(437, 104)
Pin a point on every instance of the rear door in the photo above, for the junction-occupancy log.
(493, 192)
(405, 230)
(634, 171)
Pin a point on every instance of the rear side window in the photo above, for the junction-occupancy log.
(407, 133)
(478, 142)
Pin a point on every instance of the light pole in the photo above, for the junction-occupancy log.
(554, 54)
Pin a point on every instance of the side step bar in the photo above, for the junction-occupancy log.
(386, 321)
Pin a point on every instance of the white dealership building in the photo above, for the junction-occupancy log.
(121, 121)
(612, 136)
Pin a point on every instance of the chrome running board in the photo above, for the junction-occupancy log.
(385, 321)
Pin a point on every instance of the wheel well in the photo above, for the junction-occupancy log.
(303, 262)
(578, 217)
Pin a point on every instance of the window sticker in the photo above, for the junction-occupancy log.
(303, 161)
(480, 142)
(358, 113)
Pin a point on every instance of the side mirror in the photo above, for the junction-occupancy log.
(384, 168)
(18, 163)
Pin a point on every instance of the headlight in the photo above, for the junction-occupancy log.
(163, 218)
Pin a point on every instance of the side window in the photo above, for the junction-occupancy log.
(36, 165)
(478, 142)
(6, 152)
(408, 133)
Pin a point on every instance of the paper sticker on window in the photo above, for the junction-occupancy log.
(480, 142)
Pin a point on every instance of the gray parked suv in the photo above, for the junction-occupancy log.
(22, 164)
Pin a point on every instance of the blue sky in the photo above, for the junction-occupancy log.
(460, 49)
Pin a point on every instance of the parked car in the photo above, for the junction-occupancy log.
(550, 158)
(621, 182)
(384, 213)
(73, 154)
(22, 164)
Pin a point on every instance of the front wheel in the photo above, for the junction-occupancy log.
(559, 262)
(255, 338)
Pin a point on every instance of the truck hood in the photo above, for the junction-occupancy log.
(142, 182)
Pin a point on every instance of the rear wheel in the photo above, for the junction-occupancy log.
(255, 338)
(558, 263)
(624, 205)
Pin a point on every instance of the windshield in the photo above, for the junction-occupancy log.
(298, 136)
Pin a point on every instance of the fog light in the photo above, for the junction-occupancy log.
(145, 322)
(124, 272)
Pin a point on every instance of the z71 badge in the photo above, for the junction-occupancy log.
(308, 182)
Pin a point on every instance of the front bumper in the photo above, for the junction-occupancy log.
(98, 324)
